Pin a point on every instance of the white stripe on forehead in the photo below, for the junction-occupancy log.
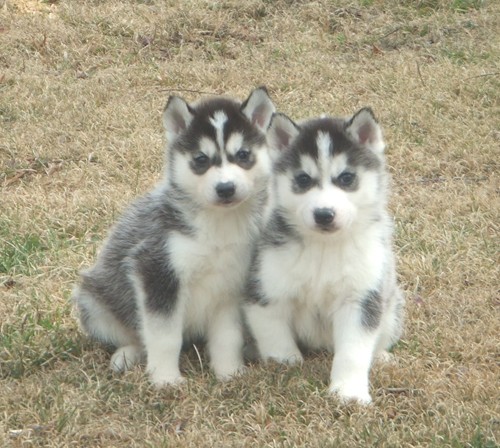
(324, 143)
(218, 121)
(330, 166)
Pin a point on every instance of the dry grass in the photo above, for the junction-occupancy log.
(82, 84)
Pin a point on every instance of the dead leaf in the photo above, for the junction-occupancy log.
(180, 426)
(145, 41)
(9, 283)
(29, 431)
(18, 175)
(418, 300)
(53, 167)
(391, 413)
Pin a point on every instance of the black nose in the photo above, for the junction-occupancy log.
(225, 190)
(324, 216)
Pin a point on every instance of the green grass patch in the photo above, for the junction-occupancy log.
(465, 5)
(20, 254)
(36, 340)
(27, 253)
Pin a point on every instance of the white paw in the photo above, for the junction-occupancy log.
(226, 374)
(291, 359)
(165, 377)
(124, 358)
(351, 392)
(384, 357)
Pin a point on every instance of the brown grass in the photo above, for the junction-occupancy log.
(82, 85)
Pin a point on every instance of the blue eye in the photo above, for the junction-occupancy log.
(243, 155)
(303, 180)
(201, 160)
(346, 179)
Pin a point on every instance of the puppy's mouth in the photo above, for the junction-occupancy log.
(228, 202)
(325, 229)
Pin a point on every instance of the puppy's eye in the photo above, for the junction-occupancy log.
(303, 180)
(201, 160)
(243, 155)
(346, 179)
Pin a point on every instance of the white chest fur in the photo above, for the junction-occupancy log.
(322, 271)
(212, 263)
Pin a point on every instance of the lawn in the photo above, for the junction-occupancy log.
(82, 87)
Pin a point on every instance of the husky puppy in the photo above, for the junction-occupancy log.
(323, 273)
(174, 266)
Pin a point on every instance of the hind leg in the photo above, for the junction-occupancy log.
(390, 328)
(100, 324)
(124, 358)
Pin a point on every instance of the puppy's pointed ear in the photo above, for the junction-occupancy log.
(281, 132)
(176, 117)
(258, 108)
(280, 135)
(364, 129)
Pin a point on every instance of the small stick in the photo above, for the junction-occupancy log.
(483, 75)
(400, 390)
(199, 356)
(188, 90)
(420, 74)
(391, 32)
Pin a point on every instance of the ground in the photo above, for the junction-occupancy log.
(82, 87)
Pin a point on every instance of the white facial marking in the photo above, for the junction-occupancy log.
(207, 147)
(217, 121)
(234, 143)
(309, 166)
(336, 165)
(324, 142)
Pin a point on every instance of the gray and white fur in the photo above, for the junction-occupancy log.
(323, 273)
(174, 265)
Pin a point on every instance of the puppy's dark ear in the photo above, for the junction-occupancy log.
(176, 117)
(281, 134)
(364, 129)
(259, 108)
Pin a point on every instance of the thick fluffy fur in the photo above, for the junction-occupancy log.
(174, 265)
(323, 273)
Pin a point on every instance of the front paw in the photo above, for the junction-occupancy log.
(165, 378)
(351, 393)
(291, 359)
(227, 373)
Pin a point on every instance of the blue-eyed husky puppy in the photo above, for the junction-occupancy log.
(323, 273)
(174, 265)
